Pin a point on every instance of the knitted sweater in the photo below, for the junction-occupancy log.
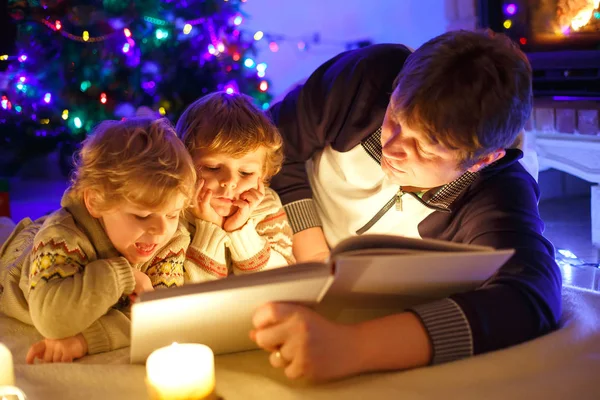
(62, 274)
(264, 242)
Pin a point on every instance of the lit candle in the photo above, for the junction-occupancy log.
(181, 371)
(7, 375)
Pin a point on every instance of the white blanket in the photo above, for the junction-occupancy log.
(562, 365)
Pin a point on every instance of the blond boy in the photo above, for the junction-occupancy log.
(238, 225)
(117, 234)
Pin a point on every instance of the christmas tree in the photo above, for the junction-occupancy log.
(78, 62)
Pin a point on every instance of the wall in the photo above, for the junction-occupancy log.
(411, 22)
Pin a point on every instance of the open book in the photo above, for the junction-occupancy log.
(365, 277)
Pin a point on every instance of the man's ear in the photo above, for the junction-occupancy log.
(487, 160)
(90, 199)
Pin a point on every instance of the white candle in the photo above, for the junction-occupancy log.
(181, 371)
(7, 375)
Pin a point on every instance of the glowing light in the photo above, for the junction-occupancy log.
(258, 35)
(4, 57)
(265, 106)
(127, 32)
(44, 121)
(567, 253)
(211, 49)
(126, 48)
(103, 98)
(57, 25)
(264, 85)
(47, 97)
(20, 86)
(236, 56)
(4, 102)
(18, 109)
(229, 90)
(78, 123)
(65, 114)
(238, 20)
(162, 111)
(523, 41)
(510, 9)
(221, 47)
(22, 79)
(301, 46)
(274, 47)
(261, 74)
(507, 24)
(248, 62)
(161, 34)
(22, 58)
(187, 28)
(261, 67)
(85, 36)
(85, 85)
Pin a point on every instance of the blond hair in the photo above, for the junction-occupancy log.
(137, 160)
(230, 123)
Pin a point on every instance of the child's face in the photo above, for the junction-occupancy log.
(228, 177)
(138, 233)
(410, 159)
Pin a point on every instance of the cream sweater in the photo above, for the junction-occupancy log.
(264, 242)
(62, 274)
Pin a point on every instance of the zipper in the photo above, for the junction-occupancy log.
(397, 201)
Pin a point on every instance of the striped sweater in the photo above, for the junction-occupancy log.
(264, 242)
(62, 274)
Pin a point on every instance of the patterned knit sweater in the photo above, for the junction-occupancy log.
(264, 242)
(62, 274)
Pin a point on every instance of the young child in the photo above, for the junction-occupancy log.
(239, 224)
(117, 233)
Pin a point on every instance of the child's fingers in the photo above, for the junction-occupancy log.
(48, 354)
(35, 351)
(57, 355)
(206, 199)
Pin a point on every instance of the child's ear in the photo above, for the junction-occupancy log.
(487, 160)
(90, 199)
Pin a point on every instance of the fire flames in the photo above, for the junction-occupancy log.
(575, 14)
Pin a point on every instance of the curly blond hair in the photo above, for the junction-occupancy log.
(137, 160)
(230, 123)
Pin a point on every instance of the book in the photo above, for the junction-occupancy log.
(365, 277)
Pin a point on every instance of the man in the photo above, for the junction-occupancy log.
(423, 153)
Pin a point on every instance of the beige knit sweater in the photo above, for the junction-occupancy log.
(62, 274)
(264, 242)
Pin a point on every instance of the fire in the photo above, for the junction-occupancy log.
(576, 13)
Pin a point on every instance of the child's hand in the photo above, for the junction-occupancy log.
(142, 283)
(58, 350)
(203, 210)
(246, 204)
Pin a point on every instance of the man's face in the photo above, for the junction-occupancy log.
(411, 159)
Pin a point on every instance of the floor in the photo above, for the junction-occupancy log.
(567, 219)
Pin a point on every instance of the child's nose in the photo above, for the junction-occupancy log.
(158, 227)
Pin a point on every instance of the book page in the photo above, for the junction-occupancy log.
(370, 242)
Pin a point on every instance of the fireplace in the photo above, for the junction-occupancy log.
(560, 37)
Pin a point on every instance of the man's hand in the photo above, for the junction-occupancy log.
(58, 350)
(246, 204)
(202, 208)
(304, 343)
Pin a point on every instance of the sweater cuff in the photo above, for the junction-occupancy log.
(302, 215)
(245, 242)
(96, 338)
(210, 239)
(448, 329)
(124, 273)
